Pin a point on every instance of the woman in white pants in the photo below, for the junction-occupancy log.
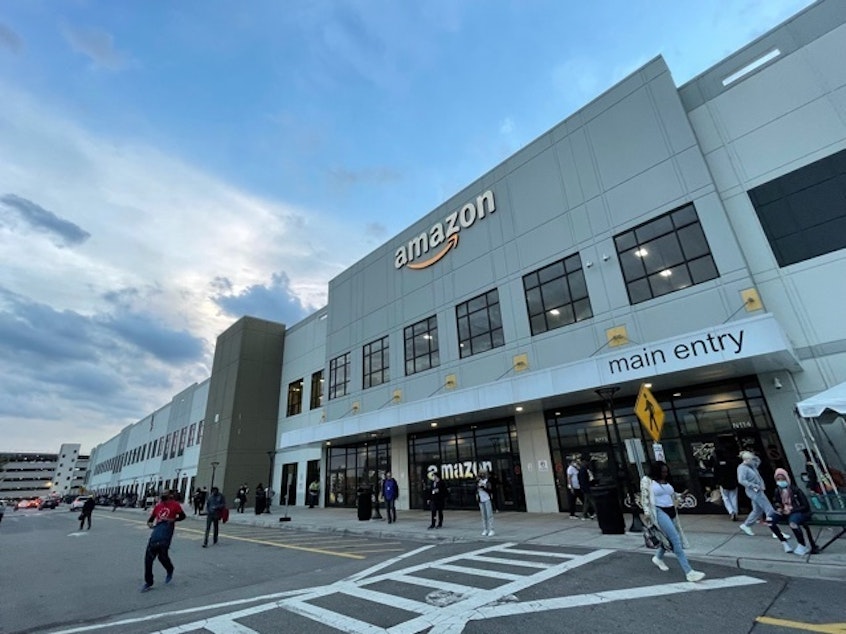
(483, 493)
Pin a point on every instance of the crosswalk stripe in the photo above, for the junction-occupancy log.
(510, 562)
(393, 600)
(479, 572)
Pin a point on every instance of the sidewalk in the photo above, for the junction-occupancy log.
(714, 539)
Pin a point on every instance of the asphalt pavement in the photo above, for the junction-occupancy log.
(713, 539)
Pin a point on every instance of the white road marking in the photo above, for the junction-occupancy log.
(510, 562)
(479, 572)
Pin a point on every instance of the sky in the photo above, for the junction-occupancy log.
(168, 167)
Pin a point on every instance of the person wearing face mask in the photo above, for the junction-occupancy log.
(749, 478)
(792, 506)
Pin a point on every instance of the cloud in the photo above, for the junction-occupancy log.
(45, 221)
(95, 338)
(10, 40)
(274, 302)
(96, 45)
(375, 175)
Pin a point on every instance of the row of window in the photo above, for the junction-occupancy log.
(166, 447)
(665, 254)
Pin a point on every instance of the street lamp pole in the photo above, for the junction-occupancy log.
(270, 456)
(622, 471)
(178, 487)
(214, 468)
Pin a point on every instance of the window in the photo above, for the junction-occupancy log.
(375, 363)
(316, 390)
(183, 433)
(339, 376)
(295, 397)
(191, 431)
(803, 213)
(557, 295)
(200, 426)
(479, 324)
(421, 346)
(666, 254)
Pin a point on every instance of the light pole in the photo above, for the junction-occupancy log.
(214, 468)
(178, 487)
(270, 455)
(621, 470)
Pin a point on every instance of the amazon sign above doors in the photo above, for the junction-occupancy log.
(424, 250)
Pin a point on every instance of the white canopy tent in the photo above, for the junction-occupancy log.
(832, 402)
(811, 414)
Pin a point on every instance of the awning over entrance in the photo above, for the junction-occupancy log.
(747, 346)
(833, 401)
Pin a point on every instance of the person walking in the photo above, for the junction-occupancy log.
(658, 499)
(792, 506)
(241, 496)
(377, 495)
(269, 493)
(390, 492)
(753, 484)
(574, 489)
(437, 499)
(215, 506)
(85, 514)
(585, 479)
(483, 497)
(725, 471)
(314, 493)
(196, 501)
(162, 520)
(261, 499)
(204, 494)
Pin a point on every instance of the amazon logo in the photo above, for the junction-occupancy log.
(429, 247)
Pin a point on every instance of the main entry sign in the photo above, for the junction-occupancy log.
(649, 413)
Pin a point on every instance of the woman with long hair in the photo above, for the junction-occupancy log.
(658, 498)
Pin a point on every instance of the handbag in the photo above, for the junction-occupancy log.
(224, 514)
(653, 537)
(650, 539)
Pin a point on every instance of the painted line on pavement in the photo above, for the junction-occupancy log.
(826, 628)
(276, 597)
(190, 532)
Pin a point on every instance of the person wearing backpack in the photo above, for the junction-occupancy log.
(586, 480)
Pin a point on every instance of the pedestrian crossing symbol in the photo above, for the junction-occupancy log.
(649, 413)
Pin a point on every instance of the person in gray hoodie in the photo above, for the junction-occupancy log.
(749, 478)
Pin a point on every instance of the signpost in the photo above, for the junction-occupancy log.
(649, 413)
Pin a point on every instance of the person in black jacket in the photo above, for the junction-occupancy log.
(725, 470)
(791, 506)
(585, 482)
(87, 510)
(437, 498)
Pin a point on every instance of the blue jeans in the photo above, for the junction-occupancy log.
(212, 519)
(487, 515)
(391, 509)
(760, 507)
(669, 529)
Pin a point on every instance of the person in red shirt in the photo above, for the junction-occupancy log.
(163, 522)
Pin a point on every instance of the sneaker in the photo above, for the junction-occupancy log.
(146, 587)
(491, 533)
(787, 547)
(484, 533)
(660, 563)
(573, 517)
(801, 550)
(695, 575)
(169, 578)
(747, 530)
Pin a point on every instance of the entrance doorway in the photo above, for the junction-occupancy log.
(288, 485)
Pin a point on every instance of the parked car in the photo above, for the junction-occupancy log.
(77, 504)
(27, 504)
(47, 503)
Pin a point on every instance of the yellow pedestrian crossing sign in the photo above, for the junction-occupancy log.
(649, 413)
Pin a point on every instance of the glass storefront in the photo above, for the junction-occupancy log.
(458, 454)
(354, 467)
(732, 415)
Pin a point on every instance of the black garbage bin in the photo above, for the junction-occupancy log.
(609, 513)
(365, 504)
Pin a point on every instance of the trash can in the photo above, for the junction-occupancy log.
(609, 513)
(365, 504)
